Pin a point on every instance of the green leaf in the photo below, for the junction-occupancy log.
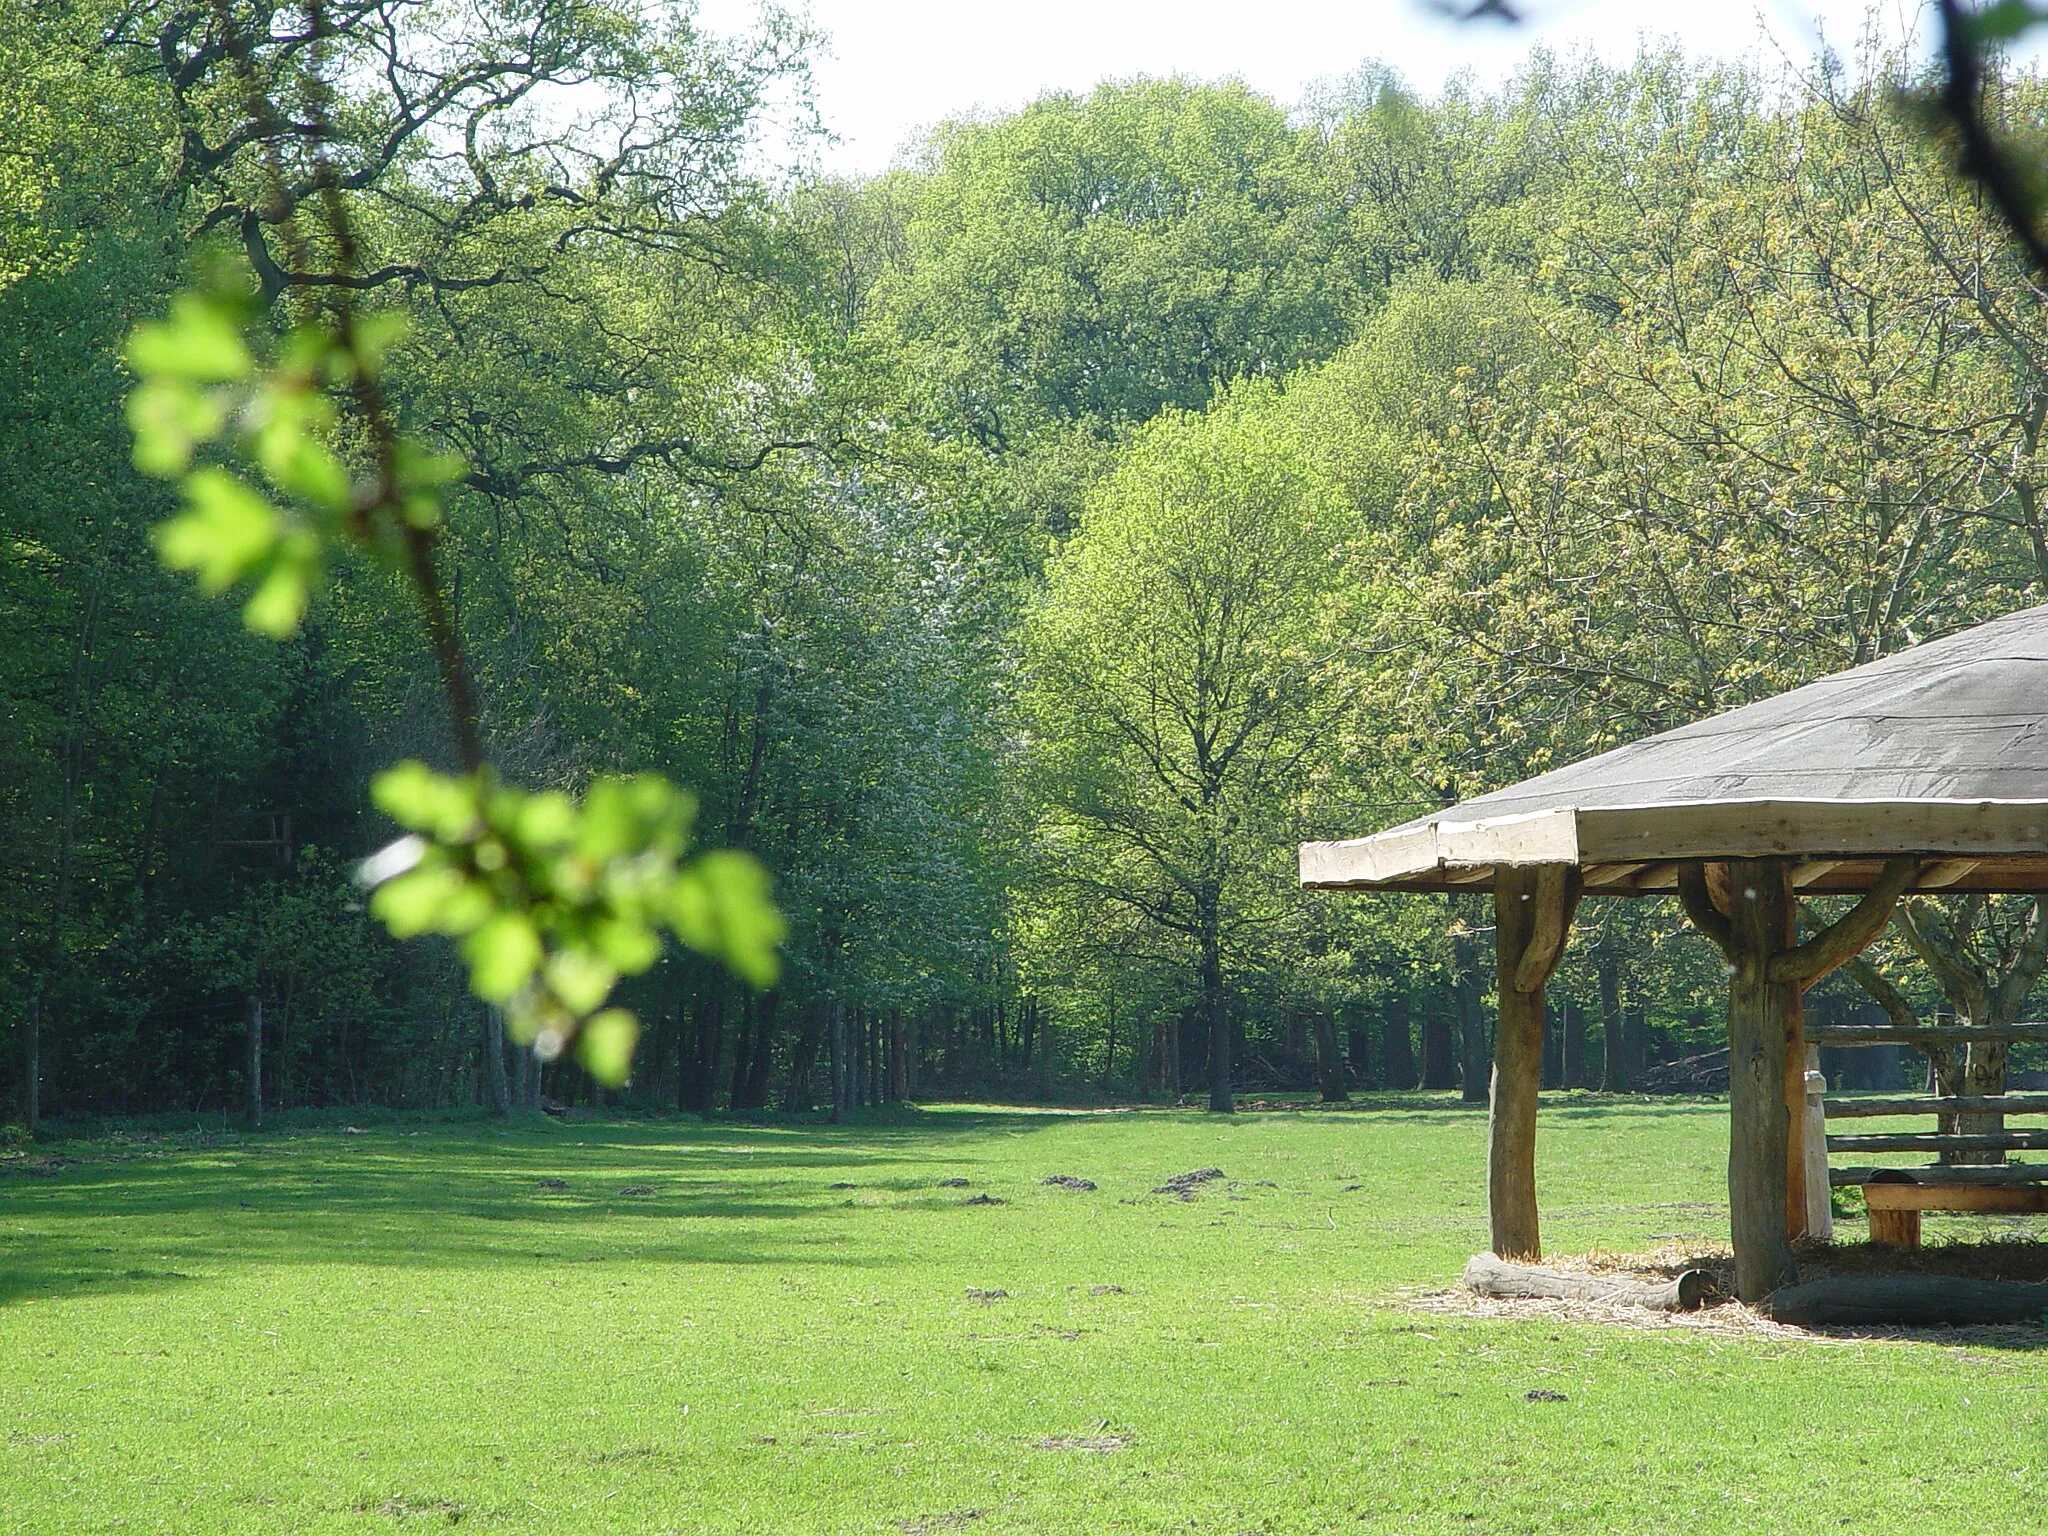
(201, 341)
(226, 531)
(503, 955)
(412, 903)
(170, 417)
(605, 1046)
(721, 907)
(415, 796)
(580, 978)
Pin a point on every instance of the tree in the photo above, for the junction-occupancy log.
(1189, 658)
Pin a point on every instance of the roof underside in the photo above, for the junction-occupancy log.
(1940, 750)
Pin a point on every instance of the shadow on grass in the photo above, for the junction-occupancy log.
(144, 1212)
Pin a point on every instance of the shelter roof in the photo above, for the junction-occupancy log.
(1940, 749)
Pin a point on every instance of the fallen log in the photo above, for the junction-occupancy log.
(1490, 1276)
(1909, 1301)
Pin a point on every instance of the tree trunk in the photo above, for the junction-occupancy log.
(761, 1057)
(842, 1069)
(1169, 1055)
(1439, 1050)
(1572, 1027)
(253, 1069)
(1398, 1046)
(1613, 1054)
(1635, 1040)
(526, 1083)
(495, 1083)
(32, 1095)
(710, 1046)
(1466, 989)
(743, 1042)
(803, 1059)
(1329, 1064)
(899, 1058)
(1360, 1051)
(1220, 1100)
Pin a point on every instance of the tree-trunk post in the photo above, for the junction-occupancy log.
(1760, 1014)
(1754, 923)
(254, 1068)
(1532, 915)
(33, 1098)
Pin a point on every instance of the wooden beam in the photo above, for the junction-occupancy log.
(1947, 1173)
(1811, 870)
(2012, 1199)
(2010, 837)
(1849, 935)
(1936, 1104)
(1811, 829)
(1900, 1034)
(1946, 873)
(1938, 1141)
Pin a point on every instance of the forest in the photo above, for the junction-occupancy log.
(1016, 553)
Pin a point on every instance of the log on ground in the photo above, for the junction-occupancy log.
(1490, 1276)
(1908, 1301)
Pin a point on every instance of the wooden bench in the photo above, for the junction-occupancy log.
(1895, 1200)
(1896, 1197)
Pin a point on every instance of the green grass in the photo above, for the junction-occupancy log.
(400, 1329)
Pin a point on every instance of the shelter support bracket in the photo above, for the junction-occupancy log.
(1747, 907)
(1533, 907)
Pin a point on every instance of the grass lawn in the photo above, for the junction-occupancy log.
(310, 1330)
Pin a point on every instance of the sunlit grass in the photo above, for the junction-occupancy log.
(404, 1328)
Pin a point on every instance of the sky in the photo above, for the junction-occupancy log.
(892, 67)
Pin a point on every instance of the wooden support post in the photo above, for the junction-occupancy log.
(1753, 924)
(255, 1063)
(1532, 917)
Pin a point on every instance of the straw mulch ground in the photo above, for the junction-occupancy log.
(1997, 1259)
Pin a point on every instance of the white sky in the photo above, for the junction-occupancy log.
(892, 67)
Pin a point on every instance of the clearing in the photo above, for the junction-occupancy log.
(710, 1326)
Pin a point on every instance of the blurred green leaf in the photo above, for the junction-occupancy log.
(201, 341)
(605, 1046)
(503, 954)
(170, 417)
(224, 533)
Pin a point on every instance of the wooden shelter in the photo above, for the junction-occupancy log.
(1924, 771)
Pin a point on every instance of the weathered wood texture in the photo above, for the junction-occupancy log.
(1899, 1034)
(1934, 1141)
(1532, 917)
(1940, 1104)
(2008, 1199)
(2001, 1173)
(1489, 1276)
(1912, 1301)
